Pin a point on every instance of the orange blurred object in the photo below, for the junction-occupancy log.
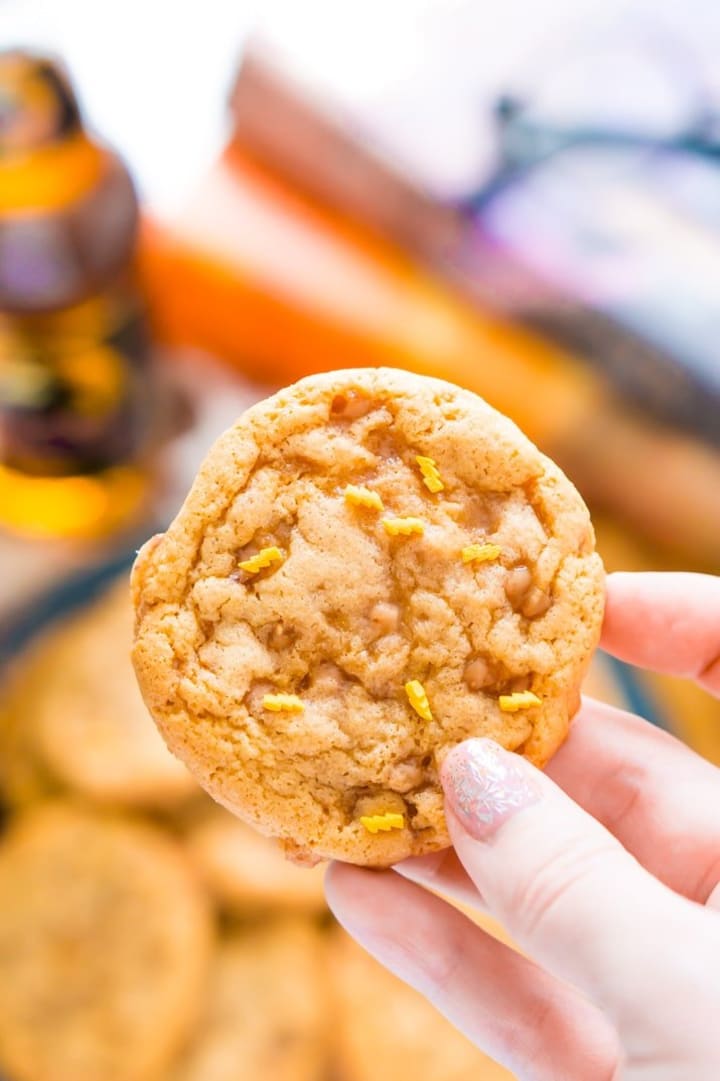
(52, 177)
(264, 277)
(71, 508)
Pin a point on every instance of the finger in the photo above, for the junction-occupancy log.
(569, 894)
(443, 873)
(659, 798)
(666, 622)
(513, 1010)
(713, 900)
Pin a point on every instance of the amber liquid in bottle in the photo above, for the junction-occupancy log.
(75, 379)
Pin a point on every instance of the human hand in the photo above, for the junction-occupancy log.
(604, 870)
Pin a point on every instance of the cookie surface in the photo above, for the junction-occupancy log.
(265, 1012)
(386, 1031)
(247, 872)
(370, 567)
(78, 716)
(104, 938)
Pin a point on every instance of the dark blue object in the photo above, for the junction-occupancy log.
(59, 601)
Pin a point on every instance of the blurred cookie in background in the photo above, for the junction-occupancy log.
(74, 717)
(385, 1031)
(104, 943)
(246, 871)
(265, 1012)
(23, 777)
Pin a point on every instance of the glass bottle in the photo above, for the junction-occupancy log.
(75, 378)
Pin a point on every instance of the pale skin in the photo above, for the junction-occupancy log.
(606, 874)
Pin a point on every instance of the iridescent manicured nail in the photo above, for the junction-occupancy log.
(485, 785)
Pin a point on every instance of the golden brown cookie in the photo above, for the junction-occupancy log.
(24, 779)
(247, 872)
(104, 939)
(370, 567)
(265, 1010)
(78, 718)
(385, 1031)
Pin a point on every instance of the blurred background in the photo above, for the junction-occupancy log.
(198, 206)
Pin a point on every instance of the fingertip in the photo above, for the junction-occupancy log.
(665, 621)
(348, 887)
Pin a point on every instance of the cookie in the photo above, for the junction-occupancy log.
(23, 777)
(247, 872)
(104, 939)
(265, 1010)
(79, 719)
(385, 1031)
(370, 567)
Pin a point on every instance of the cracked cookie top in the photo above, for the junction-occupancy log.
(370, 567)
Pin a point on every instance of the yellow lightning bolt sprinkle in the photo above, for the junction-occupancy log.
(285, 703)
(405, 526)
(357, 496)
(480, 553)
(511, 703)
(418, 699)
(389, 821)
(263, 559)
(430, 472)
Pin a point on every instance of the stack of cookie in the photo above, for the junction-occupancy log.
(145, 933)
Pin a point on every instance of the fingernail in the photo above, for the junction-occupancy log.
(485, 785)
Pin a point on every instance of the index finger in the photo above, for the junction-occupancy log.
(666, 622)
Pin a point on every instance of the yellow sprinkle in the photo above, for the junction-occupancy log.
(430, 472)
(358, 496)
(406, 526)
(480, 553)
(389, 821)
(287, 703)
(511, 703)
(263, 559)
(418, 699)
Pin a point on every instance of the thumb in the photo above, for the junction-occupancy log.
(570, 894)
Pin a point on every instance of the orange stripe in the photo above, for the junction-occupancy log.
(50, 177)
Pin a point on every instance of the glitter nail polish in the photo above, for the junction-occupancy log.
(485, 785)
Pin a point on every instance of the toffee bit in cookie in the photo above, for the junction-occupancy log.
(350, 406)
(430, 473)
(404, 526)
(358, 496)
(525, 597)
(536, 603)
(385, 617)
(477, 674)
(511, 703)
(283, 703)
(264, 558)
(418, 699)
(480, 553)
(517, 584)
(384, 822)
